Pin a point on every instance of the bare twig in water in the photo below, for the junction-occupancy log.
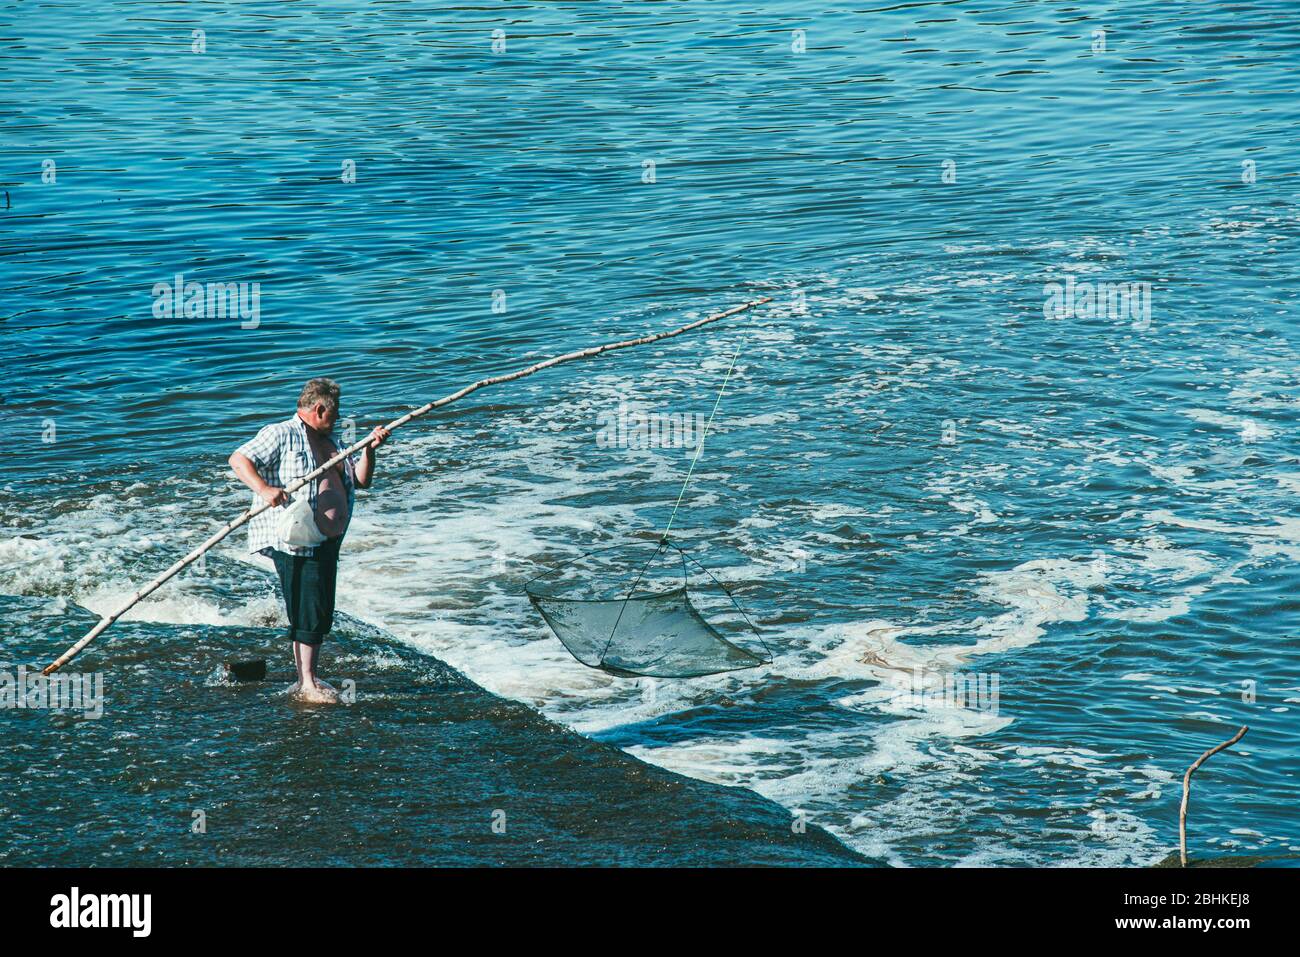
(1187, 786)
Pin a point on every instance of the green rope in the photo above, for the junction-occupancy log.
(700, 448)
(664, 540)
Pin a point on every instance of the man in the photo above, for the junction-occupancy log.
(277, 456)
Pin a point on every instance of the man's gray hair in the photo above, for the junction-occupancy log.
(320, 391)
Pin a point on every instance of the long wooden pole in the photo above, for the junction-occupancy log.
(1187, 787)
(107, 620)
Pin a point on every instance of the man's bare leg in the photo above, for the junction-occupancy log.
(309, 687)
(297, 667)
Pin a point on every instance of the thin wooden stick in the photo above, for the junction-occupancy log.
(1187, 787)
(107, 620)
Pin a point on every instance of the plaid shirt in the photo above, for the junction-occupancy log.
(282, 455)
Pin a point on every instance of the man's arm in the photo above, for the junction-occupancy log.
(366, 467)
(246, 472)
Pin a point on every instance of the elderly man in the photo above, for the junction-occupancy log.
(277, 456)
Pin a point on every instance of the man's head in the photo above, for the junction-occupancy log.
(318, 405)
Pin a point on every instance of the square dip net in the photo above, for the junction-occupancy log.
(651, 625)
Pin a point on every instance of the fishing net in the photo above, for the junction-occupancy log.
(654, 625)
(650, 626)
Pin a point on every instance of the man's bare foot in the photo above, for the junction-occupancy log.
(318, 693)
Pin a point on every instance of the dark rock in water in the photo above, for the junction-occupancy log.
(246, 670)
(422, 768)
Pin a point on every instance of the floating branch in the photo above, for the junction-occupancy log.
(1187, 787)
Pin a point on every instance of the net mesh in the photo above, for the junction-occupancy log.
(642, 630)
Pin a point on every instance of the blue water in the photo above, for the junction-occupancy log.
(913, 468)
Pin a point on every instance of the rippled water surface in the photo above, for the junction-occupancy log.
(915, 470)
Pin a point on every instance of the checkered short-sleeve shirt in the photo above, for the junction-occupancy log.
(282, 455)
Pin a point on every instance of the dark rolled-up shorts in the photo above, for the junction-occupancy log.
(307, 583)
